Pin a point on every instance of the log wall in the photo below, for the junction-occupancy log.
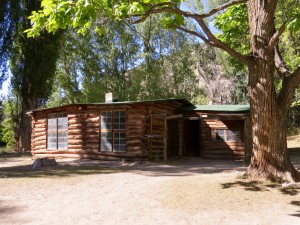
(84, 130)
(220, 149)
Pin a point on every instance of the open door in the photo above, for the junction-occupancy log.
(192, 138)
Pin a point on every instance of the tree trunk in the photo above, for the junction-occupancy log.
(25, 125)
(269, 154)
(270, 157)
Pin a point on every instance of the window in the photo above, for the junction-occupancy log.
(57, 132)
(113, 131)
(226, 135)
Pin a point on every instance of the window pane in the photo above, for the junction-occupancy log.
(119, 120)
(57, 132)
(111, 137)
(226, 135)
(106, 141)
(119, 141)
(106, 121)
(220, 135)
(233, 136)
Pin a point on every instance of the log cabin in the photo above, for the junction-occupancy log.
(139, 130)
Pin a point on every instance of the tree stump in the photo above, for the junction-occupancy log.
(43, 162)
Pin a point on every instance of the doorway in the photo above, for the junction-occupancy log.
(192, 138)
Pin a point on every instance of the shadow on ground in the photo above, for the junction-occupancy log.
(9, 168)
(53, 172)
(174, 167)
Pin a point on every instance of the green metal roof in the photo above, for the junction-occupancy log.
(218, 108)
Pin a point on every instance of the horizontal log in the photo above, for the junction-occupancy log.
(91, 129)
(38, 138)
(91, 145)
(93, 120)
(111, 158)
(74, 132)
(37, 130)
(138, 135)
(71, 116)
(42, 121)
(88, 154)
(75, 126)
(41, 125)
(86, 148)
(76, 142)
(39, 134)
(40, 142)
(72, 146)
(64, 155)
(92, 140)
(37, 147)
(91, 136)
(132, 116)
(133, 123)
(134, 149)
(134, 141)
(134, 138)
(75, 136)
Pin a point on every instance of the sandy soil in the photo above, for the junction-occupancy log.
(186, 191)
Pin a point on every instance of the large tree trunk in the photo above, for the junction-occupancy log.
(25, 125)
(269, 156)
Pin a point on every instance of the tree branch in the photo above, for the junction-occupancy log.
(222, 7)
(195, 34)
(281, 67)
(172, 7)
(274, 40)
(222, 45)
(289, 85)
(210, 39)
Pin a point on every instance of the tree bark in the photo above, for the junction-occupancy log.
(269, 154)
(25, 125)
(269, 148)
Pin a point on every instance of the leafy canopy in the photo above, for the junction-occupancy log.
(57, 14)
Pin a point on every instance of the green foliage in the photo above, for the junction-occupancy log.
(294, 25)
(234, 26)
(92, 65)
(7, 132)
(57, 14)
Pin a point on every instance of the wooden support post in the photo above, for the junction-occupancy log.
(180, 137)
(165, 141)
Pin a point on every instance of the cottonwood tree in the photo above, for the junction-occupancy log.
(268, 107)
(32, 63)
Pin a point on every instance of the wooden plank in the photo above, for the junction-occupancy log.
(174, 116)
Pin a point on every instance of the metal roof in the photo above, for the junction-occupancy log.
(218, 108)
(117, 103)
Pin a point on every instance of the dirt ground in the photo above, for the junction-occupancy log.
(182, 191)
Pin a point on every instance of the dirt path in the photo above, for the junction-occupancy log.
(188, 191)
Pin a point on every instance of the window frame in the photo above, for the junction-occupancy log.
(113, 130)
(226, 135)
(56, 130)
